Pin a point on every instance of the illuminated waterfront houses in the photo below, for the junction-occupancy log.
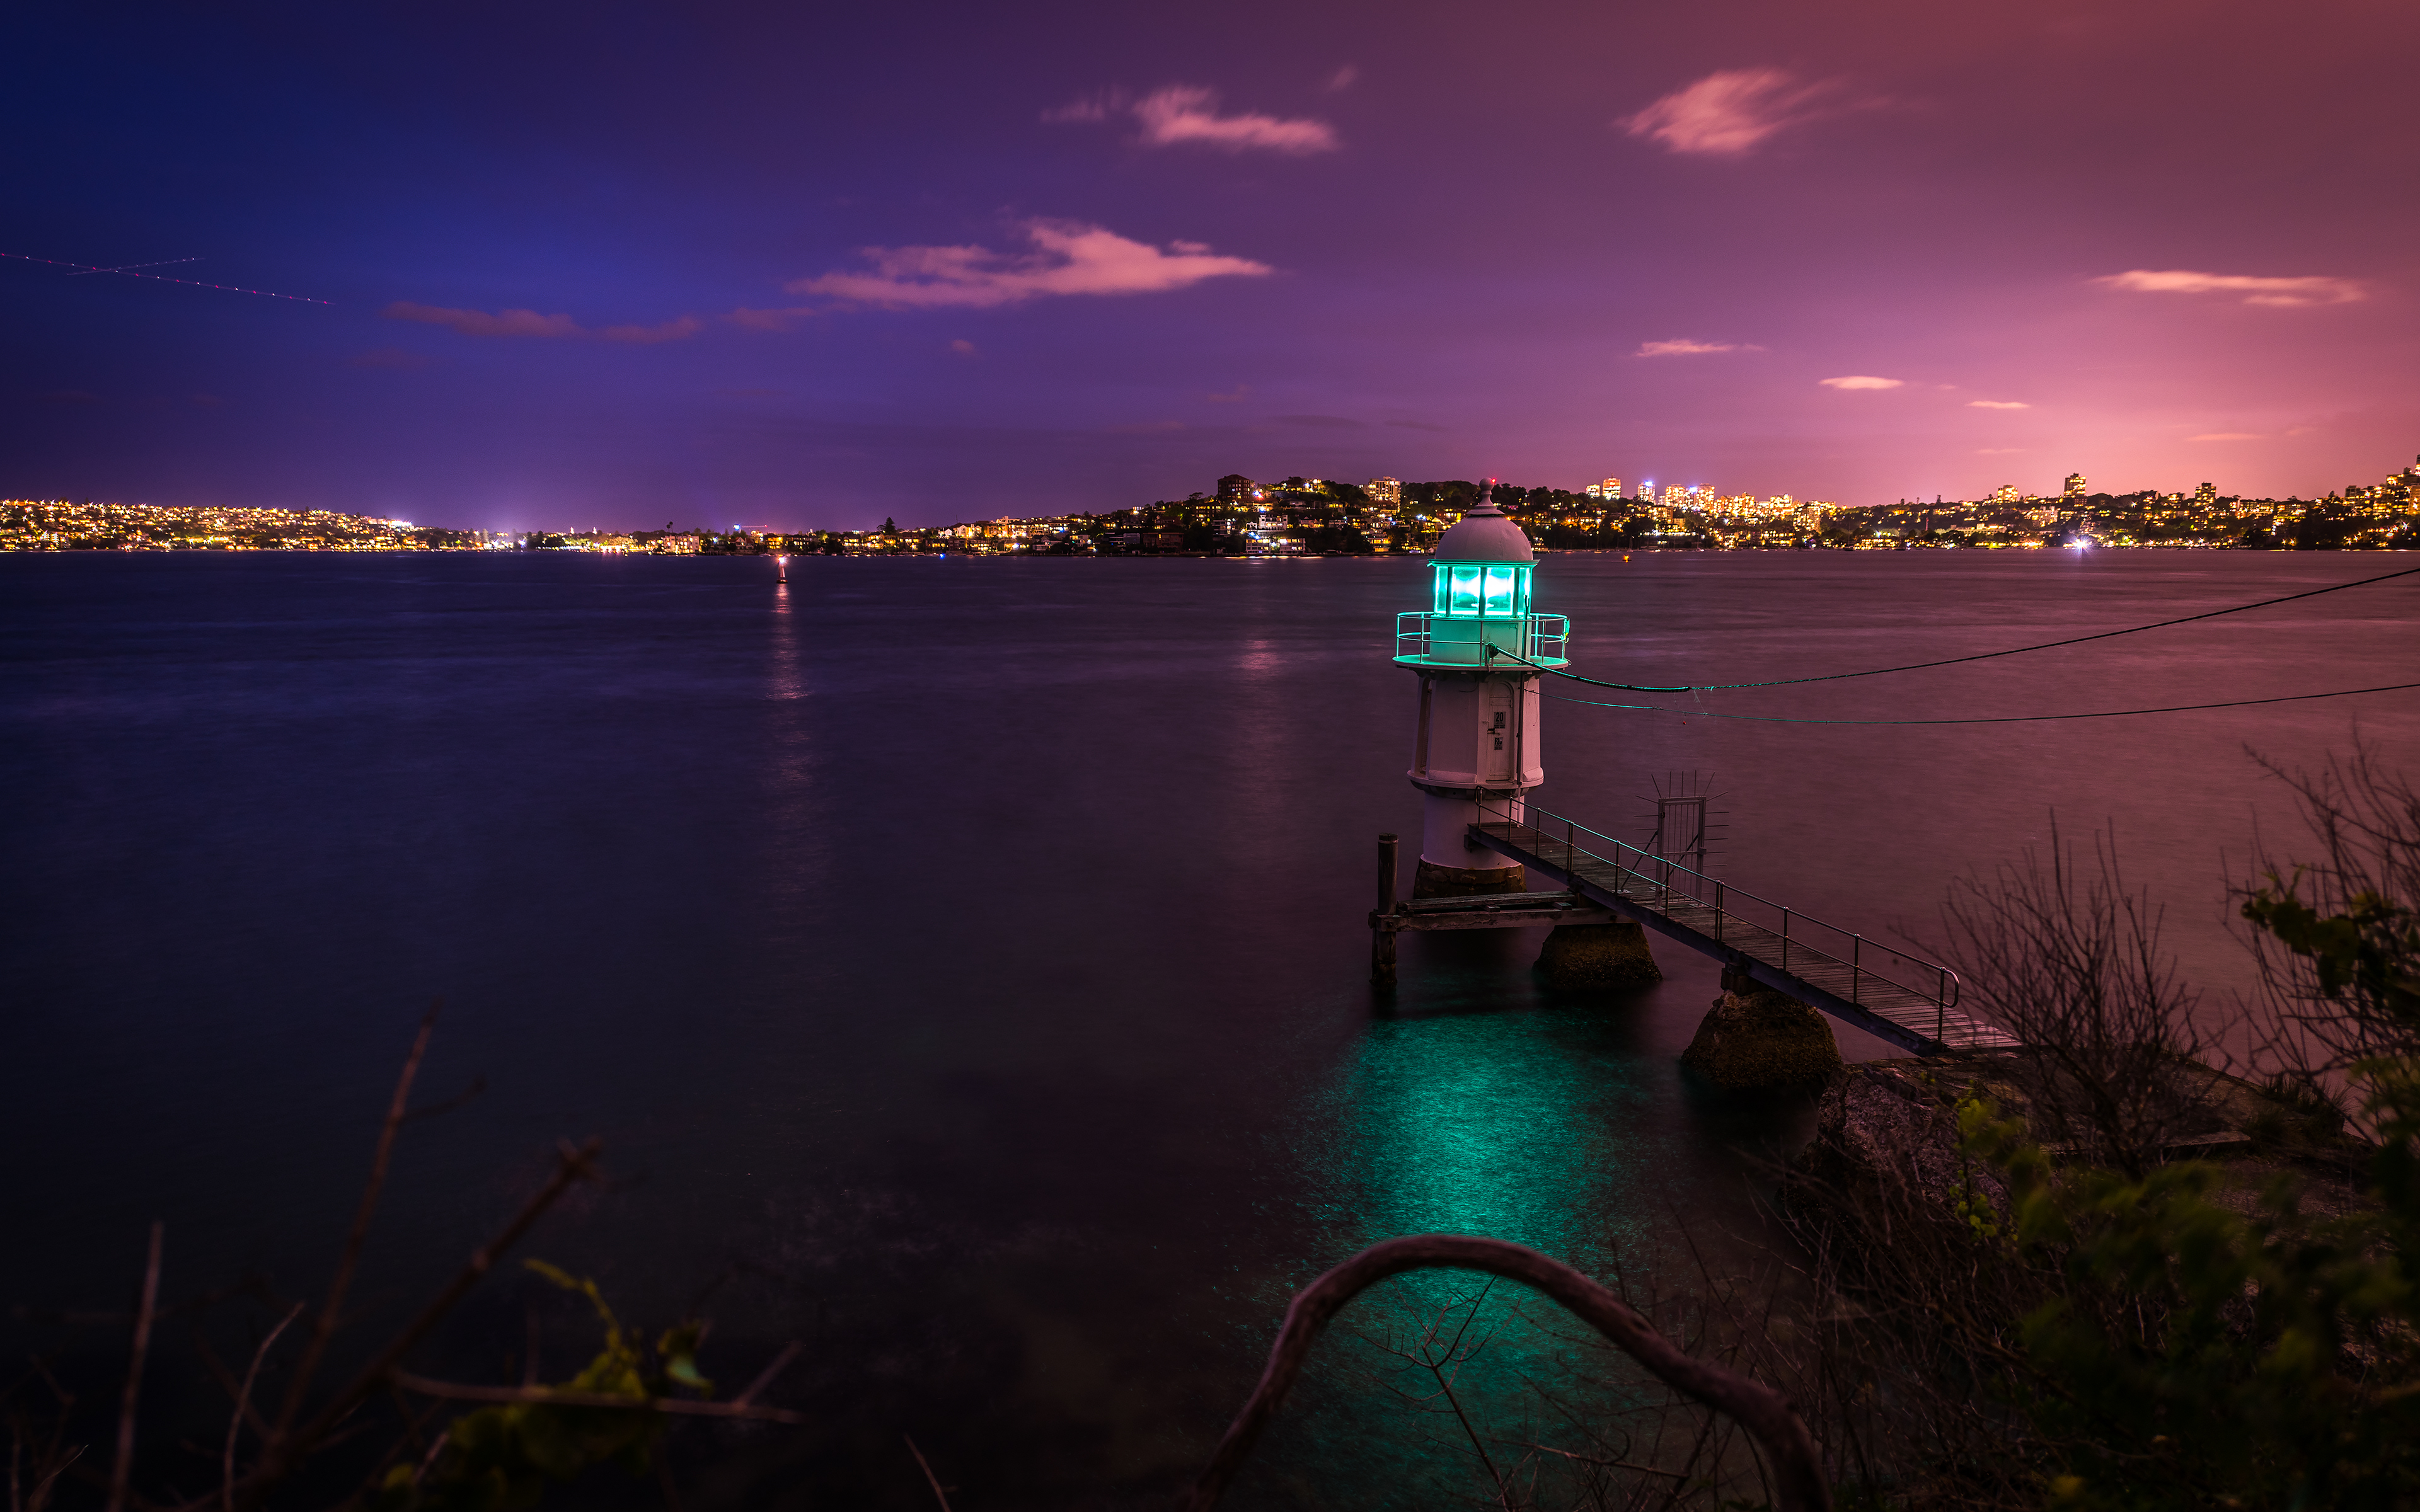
(1313, 516)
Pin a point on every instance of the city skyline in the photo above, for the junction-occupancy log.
(749, 265)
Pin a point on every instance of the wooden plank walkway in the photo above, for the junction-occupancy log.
(1925, 1021)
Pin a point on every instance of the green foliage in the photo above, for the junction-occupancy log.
(499, 1459)
(2195, 1350)
(2371, 951)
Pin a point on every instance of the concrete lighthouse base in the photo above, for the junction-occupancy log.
(1757, 1040)
(1433, 881)
(1604, 957)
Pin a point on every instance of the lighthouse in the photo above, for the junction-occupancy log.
(1476, 650)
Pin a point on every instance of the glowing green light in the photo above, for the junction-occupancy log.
(1473, 590)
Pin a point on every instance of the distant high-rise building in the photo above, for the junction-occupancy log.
(1235, 489)
(2074, 485)
(1647, 491)
(2206, 494)
(1609, 489)
(1389, 491)
(2004, 494)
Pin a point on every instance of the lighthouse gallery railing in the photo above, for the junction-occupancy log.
(1716, 908)
(1544, 636)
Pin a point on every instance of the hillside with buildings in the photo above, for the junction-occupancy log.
(1313, 516)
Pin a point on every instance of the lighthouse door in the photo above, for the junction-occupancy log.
(1498, 744)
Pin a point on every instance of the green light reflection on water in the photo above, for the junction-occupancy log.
(1548, 1128)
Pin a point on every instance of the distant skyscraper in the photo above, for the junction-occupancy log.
(1609, 489)
(1389, 491)
(1647, 491)
(2074, 485)
(2206, 494)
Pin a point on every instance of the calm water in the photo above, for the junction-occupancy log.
(963, 961)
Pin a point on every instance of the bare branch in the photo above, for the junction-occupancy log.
(765, 1376)
(323, 1327)
(556, 1396)
(1764, 1412)
(122, 1469)
(280, 1455)
(930, 1479)
(243, 1406)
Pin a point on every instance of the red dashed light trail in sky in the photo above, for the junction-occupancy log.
(127, 271)
(164, 262)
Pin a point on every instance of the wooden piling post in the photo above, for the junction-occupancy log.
(1382, 940)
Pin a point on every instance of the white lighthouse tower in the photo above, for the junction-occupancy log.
(1476, 649)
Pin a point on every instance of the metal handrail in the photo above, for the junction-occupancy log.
(1662, 874)
(1544, 636)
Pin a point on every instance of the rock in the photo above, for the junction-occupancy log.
(1755, 1039)
(1433, 881)
(1606, 957)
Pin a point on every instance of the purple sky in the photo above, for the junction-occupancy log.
(810, 266)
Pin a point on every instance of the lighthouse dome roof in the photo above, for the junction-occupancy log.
(1484, 534)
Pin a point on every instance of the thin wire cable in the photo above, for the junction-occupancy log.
(1952, 661)
(2001, 719)
(162, 278)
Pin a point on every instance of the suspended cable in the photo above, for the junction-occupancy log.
(1952, 661)
(2002, 718)
(128, 271)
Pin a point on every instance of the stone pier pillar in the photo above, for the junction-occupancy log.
(1604, 957)
(1756, 1039)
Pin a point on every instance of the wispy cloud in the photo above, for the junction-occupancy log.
(1728, 113)
(1067, 258)
(964, 348)
(2255, 289)
(680, 330)
(1682, 348)
(1187, 113)
(1997, 403)
(480, 323)
(1861, 380)
(530, 323)
(1241, 392)
(1342, 79)
(2231, 436)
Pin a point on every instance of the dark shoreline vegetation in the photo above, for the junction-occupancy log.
(2160, 1258)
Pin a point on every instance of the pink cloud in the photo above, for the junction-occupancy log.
(1997, 403)
(1861, 380)
(1728, 113)
(1187, 112)
(1682, 348)
(480, 323)
(1067, 258)
(530, 323)
(2255, 289)
(1092, 108)
(680, 330)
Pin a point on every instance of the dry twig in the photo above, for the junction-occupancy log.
(122, 1471)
